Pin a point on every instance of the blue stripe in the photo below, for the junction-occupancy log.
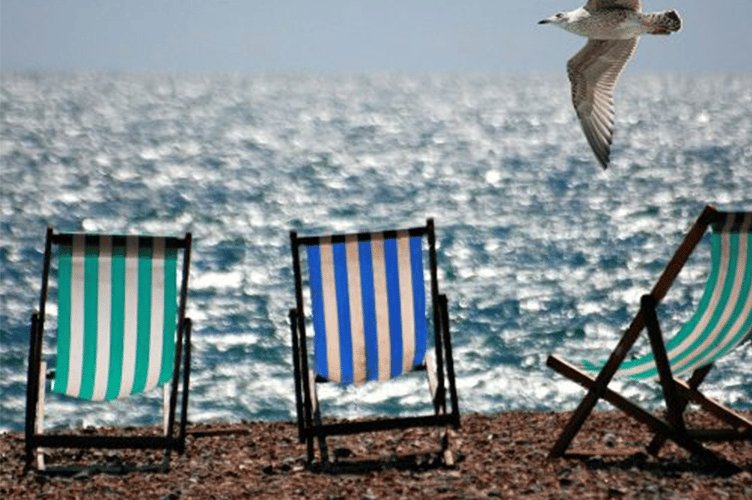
(317, 310)
(393, 298)
(369, 310)
(419, 299)
(343, 313)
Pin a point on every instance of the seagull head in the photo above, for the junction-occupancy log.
(557, 19)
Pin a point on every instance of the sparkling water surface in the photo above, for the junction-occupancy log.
(539, 250)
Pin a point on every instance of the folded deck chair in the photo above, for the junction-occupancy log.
(121, 330)
(369, 315)
(722, 321)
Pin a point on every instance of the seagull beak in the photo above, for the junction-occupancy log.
(544, 21)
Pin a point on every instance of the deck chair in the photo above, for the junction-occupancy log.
(121, 330)
(369, 315)
(722, 321)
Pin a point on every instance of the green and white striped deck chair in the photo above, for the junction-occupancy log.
(121, 331)
(370, 320)
(722, 321)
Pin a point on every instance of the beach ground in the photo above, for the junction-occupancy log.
(497, 456)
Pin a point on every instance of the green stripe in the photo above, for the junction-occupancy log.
(144, 315)
(170, 313)
(117, 322)
(738, 300)
(704, 305)
(746, 295)
(91, 288)
(63, 319)
(686, 330)
(726, 294)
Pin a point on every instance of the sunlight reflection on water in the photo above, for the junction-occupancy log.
(539, 250)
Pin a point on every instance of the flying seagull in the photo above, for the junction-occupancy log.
(612, 28)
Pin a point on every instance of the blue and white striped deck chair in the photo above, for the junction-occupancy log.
(370, 320)
(121, 330)
(722, 321)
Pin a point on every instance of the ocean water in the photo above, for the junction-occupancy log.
(539, 250)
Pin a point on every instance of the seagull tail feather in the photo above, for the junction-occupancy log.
(663, 23)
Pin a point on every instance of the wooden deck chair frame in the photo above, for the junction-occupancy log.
(173, 439)
(677, 394)
(441, 375)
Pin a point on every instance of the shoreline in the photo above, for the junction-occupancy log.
(502, 455)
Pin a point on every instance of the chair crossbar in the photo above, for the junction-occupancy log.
(119, 240)
(361, 236)
(356, 427)
(106, 442)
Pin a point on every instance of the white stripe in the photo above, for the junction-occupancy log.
(156, 332)
(130, 326)
(357, 329)
(76, 358)
(331, 320)
(104, 318)
(407, 308)
(381, 305)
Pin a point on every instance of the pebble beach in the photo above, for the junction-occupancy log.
(497, 456)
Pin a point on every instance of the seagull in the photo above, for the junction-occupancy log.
(612, 28)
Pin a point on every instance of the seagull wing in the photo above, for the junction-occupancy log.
(595, 5)
(593, 73)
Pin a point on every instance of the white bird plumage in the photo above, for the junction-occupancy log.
(613, 28)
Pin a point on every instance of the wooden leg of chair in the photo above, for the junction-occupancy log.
(33, 381)
(432, 382)
(165, 408)
(599, 386)
(39, 424)
(317, 423)
(596, 390)
(674, 404)
(446, 448)
(694, 382)
(313, 405)
(166, 423)
(738, 422)
(186, 386)
(321, 438)
(439, 404)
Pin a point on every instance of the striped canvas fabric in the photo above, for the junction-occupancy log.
(724, 316)
(117, 315)
(368, 306)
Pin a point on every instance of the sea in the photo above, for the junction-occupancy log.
(540, 250)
